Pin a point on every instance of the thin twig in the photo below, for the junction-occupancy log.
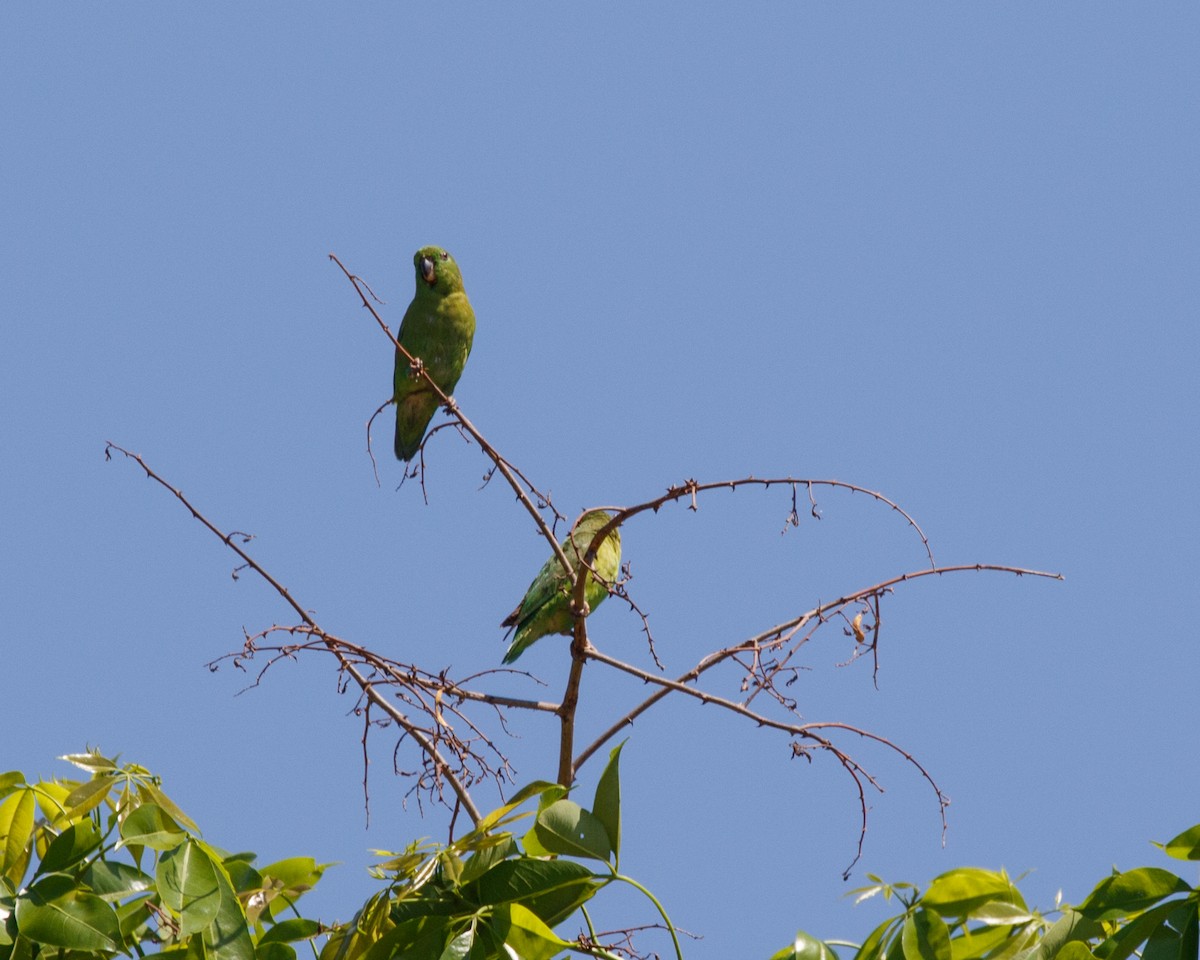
(441, 765)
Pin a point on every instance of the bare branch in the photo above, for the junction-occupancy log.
(772, 636)
(441, 766)
(691, 489)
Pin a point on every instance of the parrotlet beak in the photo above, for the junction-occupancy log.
(428, 274)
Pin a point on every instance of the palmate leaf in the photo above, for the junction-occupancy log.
(92, 762)
(500, 816)
(1179, 938)
(54, 912)
(274, 951)
(292, 929)
(958, 893)
(187, 883)
(150, 826)
(372, 922)
(526, 935)
(88, 795)
(16, 830)
(488, 856)
(114, 880)
(70, 847)
(806, 947)
(606, 806)
(1163, 929)
(552, 889)
(993, 942)
(228, 937)
(925, 937)
(421, 939)
(1130, 892)
(566, 828)
(1186, 846)
(10, 779)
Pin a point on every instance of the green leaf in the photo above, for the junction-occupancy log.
(295, 928)
(10, 779)
(134, 918)
(925, 937)
(494, 819)
(187, 882)
(296, 872)
(607, 804)
(55, 913)
(87, 796)
(92, 762)
(806, 947)
(371, 922)
(1070, 927)
(22, 949)
(998, 912)
(274, 951)
(986, 942)
(1127, 893)
(460, 946)
(487, 857)
(1190, 931)
(1186, 846)
(242, 875)
(70, 847)
(421, 939)
(150, 826)
(958, 893)
(553, 889)
(533, 845)
(51, 798)
(228, 936)
(160, 799)
(1130, 936)
(879, 940)
(528, 937)
(1075, 950)
(16, 830)
(565, 827)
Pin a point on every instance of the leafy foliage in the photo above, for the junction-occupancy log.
(111, 865)
(974, 914)
(119, 868)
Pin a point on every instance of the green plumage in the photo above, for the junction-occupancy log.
(546, 608)
(438, 328)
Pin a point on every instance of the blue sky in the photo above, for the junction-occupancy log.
(947, 251)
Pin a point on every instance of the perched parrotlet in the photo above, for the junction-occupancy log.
(438, 327)
(546, 607)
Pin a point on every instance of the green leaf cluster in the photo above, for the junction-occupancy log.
(974, 914)
(491, 893)
(112, 866)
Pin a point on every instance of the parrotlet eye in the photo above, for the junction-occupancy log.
(428, 273)
(445, 255)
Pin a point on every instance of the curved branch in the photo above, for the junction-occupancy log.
(442, 767)
(772, 635)
(690, 489)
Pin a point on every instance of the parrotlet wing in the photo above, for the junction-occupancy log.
(545, 608)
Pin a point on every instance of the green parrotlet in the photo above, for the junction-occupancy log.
(438, 328)
(546, 608)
